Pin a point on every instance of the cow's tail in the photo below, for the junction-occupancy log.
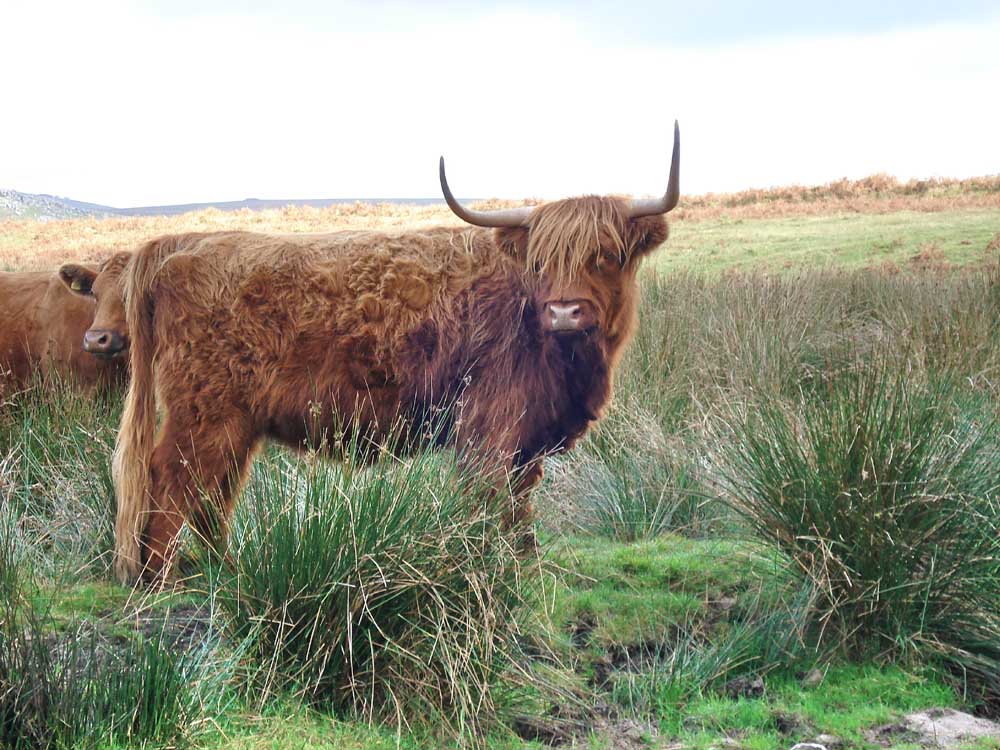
(130, 467)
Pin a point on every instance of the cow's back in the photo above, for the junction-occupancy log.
(279, 326)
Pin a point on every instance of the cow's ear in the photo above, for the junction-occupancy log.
(513, 241)
(646, 234)
(79, 279)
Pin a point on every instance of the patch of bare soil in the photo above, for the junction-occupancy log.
(580, 724)
(183, 627)
(599, 727)
(791, 725)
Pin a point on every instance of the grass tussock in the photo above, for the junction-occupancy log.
(768, 636)
(883, 491)
(77, 688)
(629, 482)
(391, 593)
(55, 442)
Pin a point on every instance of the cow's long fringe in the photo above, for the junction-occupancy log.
(134, 447)
(565, 235)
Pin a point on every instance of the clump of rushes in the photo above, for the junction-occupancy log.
(80, 691)
(629, 483)
(57, 442)
(883, 490)
(657, 367)
(391, 592)
(13, 562)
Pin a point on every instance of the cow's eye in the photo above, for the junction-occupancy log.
(609, 259)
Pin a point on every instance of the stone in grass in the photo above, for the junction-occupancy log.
(938, 728)
(829, 741)
(949, 728)
(814, 678)
(821, 742)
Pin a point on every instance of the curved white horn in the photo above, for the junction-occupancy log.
(650, 206)
(509, 217)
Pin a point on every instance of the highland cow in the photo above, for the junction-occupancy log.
(501, 343)
(43, 317)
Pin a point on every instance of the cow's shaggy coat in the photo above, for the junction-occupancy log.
(240, 336)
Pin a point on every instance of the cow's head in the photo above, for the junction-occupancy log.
(108, 335)
(582, 254)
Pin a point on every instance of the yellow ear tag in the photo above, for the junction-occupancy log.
(76, 286)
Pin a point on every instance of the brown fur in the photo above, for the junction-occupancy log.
(243, 336)
(42, 322)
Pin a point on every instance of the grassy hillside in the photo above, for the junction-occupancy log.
(904, 239)
(855, 224)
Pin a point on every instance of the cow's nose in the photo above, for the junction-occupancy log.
(103, 342)
(567, 315)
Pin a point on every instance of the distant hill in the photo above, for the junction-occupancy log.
(14, 204)
(29, 206)
(884, 190)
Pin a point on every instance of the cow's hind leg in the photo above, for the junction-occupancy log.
(196, 473)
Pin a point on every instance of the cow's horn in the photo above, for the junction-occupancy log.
(650, 206)
(510, 217)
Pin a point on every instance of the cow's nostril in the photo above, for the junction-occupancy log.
(103, 339)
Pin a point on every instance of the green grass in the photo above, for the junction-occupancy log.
(643, 592)
(88, 599)
(850, 700)
(633, 482)
(79, 685)
(882, 489)
(846, 241)
(292, 726)
(617, 591)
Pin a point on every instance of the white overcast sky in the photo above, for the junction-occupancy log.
(140, 103)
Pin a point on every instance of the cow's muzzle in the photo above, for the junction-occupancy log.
(568, 316)
(104, 343)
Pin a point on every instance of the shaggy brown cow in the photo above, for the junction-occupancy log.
(43, 317)
(506, 340)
